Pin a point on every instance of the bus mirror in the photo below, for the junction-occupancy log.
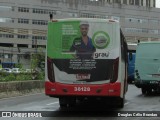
(130, 56)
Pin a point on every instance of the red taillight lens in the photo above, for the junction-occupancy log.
(115, 70)
(50, 69)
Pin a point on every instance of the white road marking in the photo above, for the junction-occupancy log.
(126, 103)
(53, 103)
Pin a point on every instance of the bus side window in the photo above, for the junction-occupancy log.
(130, 56)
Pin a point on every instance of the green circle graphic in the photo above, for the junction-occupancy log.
(101, 39)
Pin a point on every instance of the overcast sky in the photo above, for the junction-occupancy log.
(158, 3)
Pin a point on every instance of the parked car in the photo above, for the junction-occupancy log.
(16, 70)
(147, 67)
(8, 70)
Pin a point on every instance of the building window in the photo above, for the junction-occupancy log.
(6, 36)
(5, 8)
(88, 15)
(7, 56)
(23, 9)
(39, 22)
(43, 11)
(22, 36)
(24, 21)
(7, 20)
(38, 37)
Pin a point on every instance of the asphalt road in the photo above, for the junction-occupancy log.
(96, 110)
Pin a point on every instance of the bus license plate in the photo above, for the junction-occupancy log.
(83, 76)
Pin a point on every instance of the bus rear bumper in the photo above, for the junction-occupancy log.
(58, 89)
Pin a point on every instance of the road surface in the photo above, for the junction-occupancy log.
(96, 110)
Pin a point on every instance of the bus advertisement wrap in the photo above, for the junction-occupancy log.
(82, 51)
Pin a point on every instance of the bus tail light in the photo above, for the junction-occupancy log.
(114, 76)
(50, 69)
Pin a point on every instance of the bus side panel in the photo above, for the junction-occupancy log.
(123, 65)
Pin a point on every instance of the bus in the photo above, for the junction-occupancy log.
(8, 64)
(131, 61)
(147, 67)
(131, 66)
(86, 58)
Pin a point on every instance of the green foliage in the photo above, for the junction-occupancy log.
(7, 77)
(38, 60)
(22, 77)
(41, 76)
(34, 61)
(10, 77)
(19, 65)
(37, 67)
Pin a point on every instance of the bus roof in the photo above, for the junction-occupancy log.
(85, 19)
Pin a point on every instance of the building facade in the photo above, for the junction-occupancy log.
(23, 23)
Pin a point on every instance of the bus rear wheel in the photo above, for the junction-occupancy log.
(121, 102)
(149, 91)
(71, 102)
(63, 102)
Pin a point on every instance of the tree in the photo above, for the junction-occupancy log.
(37, 62)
